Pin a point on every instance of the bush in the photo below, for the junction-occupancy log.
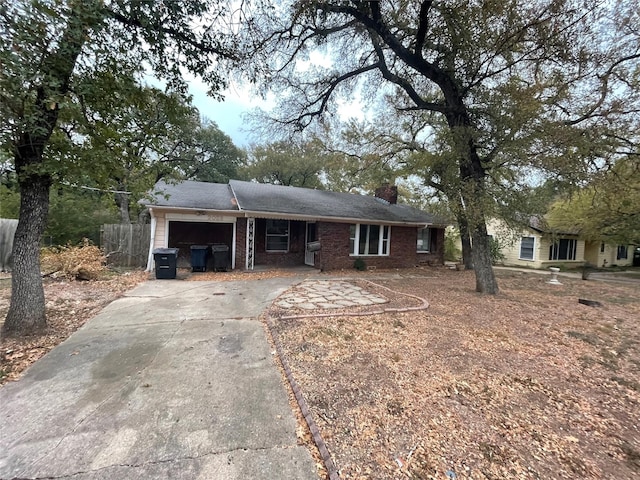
(451, 251)
(359, 264)
(80, 262)
(495, 250)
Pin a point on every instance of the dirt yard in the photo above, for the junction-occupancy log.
(526, 384)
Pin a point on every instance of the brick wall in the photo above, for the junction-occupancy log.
(335, 254)
(436, 255)
(295, 255)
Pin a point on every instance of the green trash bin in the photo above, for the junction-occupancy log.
(166, 260)
(199, 256)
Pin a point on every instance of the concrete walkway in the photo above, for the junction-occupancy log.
(174, 380)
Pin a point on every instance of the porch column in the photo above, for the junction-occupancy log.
(251, 231)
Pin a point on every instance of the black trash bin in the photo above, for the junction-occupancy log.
(220, 257)
(199, 256)
(166, 260)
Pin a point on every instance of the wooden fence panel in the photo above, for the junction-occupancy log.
(126, 245)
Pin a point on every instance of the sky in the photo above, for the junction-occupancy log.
(239, 101)
(228, 114)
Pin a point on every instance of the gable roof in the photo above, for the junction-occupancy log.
(277, 201)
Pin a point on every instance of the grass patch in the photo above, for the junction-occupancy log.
(589, 338)
(631, 384)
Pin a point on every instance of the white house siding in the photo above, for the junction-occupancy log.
(609, 256)
(510, 241)
(160, 235)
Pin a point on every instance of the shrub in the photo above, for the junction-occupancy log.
(359, 264)
(495, 250)
(80, 262)
(451, 251)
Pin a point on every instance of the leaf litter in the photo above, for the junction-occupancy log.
(525, 384)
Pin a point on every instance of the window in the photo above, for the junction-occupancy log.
(277, 235)
(563, 249)
(622, 252)
(369, 239)
(424, 240)
(526, 248)
(602, 247)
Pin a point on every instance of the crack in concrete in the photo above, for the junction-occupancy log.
(126, 384)
(163, 462)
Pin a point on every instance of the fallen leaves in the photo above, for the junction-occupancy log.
(69, 304)
(525, 384)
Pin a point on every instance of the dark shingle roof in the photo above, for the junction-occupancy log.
(286, 201)
(189, 194)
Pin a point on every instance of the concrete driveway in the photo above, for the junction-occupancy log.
(174, 380)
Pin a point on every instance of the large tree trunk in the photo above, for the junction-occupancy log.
(465, 239)
(474, 200)
(27, 310)
(485, 277)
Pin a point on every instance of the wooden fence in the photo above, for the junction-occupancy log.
(126, 245)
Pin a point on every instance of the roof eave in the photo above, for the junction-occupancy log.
(236, 213)
(293, 216)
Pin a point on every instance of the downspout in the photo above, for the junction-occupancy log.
(152, 241)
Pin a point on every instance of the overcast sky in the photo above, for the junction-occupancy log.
(227, 114)
(239, 101)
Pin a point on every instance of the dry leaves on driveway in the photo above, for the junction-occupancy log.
(525, 384)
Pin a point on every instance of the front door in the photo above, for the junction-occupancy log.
(311, 236)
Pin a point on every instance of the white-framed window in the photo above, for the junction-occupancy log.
(369, 239)
(277, 235)
(424, 240)
(563, 249)
(527, 245)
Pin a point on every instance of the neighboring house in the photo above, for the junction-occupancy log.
(602, 254)
(537, 246)
(276, 225)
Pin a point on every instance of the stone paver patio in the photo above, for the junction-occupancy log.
(326, 294)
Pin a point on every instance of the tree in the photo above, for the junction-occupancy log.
(211, 155)
(285, 163)
(510, 88)
(148, 136)
(608, 209)
(47, 50)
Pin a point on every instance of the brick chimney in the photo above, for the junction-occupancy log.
(387, 192)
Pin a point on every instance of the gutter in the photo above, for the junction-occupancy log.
(291, 216)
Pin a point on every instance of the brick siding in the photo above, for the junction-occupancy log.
(334, 253)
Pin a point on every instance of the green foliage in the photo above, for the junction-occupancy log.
(451, 251)
(495, 250)
(359, 264)
(9, 201)
(607, 209)
(211, 156)
(285, 163)
(76, 214)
